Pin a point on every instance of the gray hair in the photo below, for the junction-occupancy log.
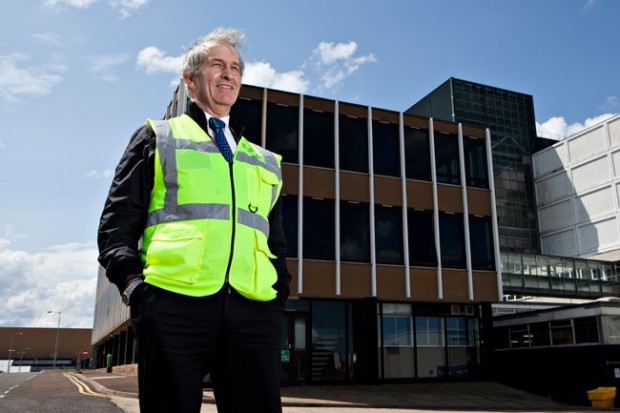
(201, 48)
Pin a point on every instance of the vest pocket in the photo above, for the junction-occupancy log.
(253, 274)
(261, 190)
(174, 253)
(265, 274)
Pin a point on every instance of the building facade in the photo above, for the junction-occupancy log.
(38, 348)
(562, 351)
(391, 241)
(577, 193)
(510, 118)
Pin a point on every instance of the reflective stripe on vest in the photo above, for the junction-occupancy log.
(172, 211)
(188, 237)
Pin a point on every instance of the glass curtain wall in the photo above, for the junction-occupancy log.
(397, 337)
(421, 346)
(431, 346)
(462, 347)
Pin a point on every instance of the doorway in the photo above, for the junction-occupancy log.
(293, 348)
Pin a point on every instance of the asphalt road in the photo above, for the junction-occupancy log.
(50, 392)
(60, 392)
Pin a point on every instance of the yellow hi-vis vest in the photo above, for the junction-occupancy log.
(208, 220)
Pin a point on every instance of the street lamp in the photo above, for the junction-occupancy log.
(57, 331)
(8, 367)
(21, 357)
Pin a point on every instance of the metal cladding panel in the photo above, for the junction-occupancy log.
(591, 174)
(588, 144)
(110, 313)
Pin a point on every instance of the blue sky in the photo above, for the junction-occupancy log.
(77, 77)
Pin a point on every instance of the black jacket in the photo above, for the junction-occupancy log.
(125, 211)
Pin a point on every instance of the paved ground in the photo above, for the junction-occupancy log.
(463, 396)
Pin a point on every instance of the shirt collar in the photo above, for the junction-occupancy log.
(225, 119)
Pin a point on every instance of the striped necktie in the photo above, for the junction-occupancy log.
(220, 139)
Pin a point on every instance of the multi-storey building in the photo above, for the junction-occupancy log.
(577, 194)
(391, 241)
(510, 118)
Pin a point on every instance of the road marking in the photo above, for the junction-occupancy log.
(82, 387)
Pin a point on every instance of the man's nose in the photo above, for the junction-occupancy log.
(227, 72)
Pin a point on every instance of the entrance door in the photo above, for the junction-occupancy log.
(293, 349)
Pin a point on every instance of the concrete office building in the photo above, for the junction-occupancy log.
(510, 117)
(578, 194)
(392, 244)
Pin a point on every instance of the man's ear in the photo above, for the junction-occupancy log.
(189, 81)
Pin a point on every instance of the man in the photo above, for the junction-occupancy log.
(208, 282)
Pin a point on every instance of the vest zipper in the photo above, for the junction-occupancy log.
(234, 227)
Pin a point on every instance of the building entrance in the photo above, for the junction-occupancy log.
(293, 348)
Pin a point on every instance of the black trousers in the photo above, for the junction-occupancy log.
(180, 339)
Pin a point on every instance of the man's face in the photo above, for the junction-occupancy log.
(216, 85)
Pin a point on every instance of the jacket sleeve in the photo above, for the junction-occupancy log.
(277, 245)
(125, 210)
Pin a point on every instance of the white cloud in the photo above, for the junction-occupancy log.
(96, 174)
(557, 128)
(332, 63)
(80, 4)
(49, 39)
(154, 60)
(611, 103)
(336, 62)
(124, 7)
(103, 66)
(16, 81)
(329, 53)
(127, 7)
(63, 278)
(588, 4)
(264, 75)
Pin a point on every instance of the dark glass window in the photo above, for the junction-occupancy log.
(452, 240)
(289, 221)
(586, 330)
(247, 112)
(447, 158)
(353, 144)
(389, 235)
(283, 131)
(475, 163)
(561, 332)
(422, 250)
(539, 333)
(397, 325)
(354, 232)
(481, 241)
(386, 159)
(501, 337)
(318, 139)
(318, 233)
(417, 154)
(519, 336)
